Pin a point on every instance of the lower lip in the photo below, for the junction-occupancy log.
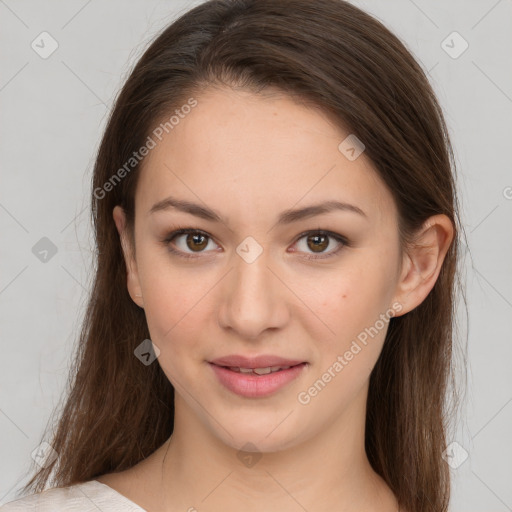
(255, 386)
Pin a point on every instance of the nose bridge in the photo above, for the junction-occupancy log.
(251, 298)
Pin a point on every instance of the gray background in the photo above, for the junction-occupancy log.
(53, 112)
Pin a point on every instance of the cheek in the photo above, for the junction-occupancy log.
(345, 360)
(357, 296)
(175, 304)
(352, 306)
(176, 319)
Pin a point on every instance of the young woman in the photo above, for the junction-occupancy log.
(270, 326)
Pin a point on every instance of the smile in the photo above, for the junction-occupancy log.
(256, 382)
(259, 371)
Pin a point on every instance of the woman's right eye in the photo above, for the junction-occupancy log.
(189, 238)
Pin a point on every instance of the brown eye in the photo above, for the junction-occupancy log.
(318, 243)
(196, 241)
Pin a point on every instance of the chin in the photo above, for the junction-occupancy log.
(263, 435)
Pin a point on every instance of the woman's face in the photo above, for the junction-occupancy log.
(262, 280)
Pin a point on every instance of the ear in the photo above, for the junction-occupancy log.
(422, 263)
(132, 277)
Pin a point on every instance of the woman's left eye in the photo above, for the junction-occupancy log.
(317, 241)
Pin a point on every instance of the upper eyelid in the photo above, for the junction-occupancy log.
(184, 231)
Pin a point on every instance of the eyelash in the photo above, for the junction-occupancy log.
(183, 231)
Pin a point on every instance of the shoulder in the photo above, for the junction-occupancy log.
(72, 498)
(83, 497)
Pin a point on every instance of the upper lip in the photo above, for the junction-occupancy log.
(262, 361)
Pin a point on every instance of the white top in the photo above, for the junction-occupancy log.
(90, 496)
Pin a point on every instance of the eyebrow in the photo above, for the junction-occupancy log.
(286, 217)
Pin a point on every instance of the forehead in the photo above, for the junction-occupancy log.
(238, 152)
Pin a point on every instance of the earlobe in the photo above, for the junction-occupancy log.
(132, 276)
(423, 262)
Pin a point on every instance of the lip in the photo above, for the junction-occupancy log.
(257, 386)
(261, 361)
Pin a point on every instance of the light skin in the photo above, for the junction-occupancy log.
(249, 158)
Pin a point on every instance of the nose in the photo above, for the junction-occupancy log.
(253, 299)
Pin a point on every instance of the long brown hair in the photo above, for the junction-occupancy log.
(333, 55)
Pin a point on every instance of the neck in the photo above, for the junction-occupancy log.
(199, 471)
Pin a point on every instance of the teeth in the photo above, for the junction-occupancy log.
(262, 371)
(259, 371)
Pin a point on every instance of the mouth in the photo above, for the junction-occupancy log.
(258, 362)
(259, 371)
(257, 382)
